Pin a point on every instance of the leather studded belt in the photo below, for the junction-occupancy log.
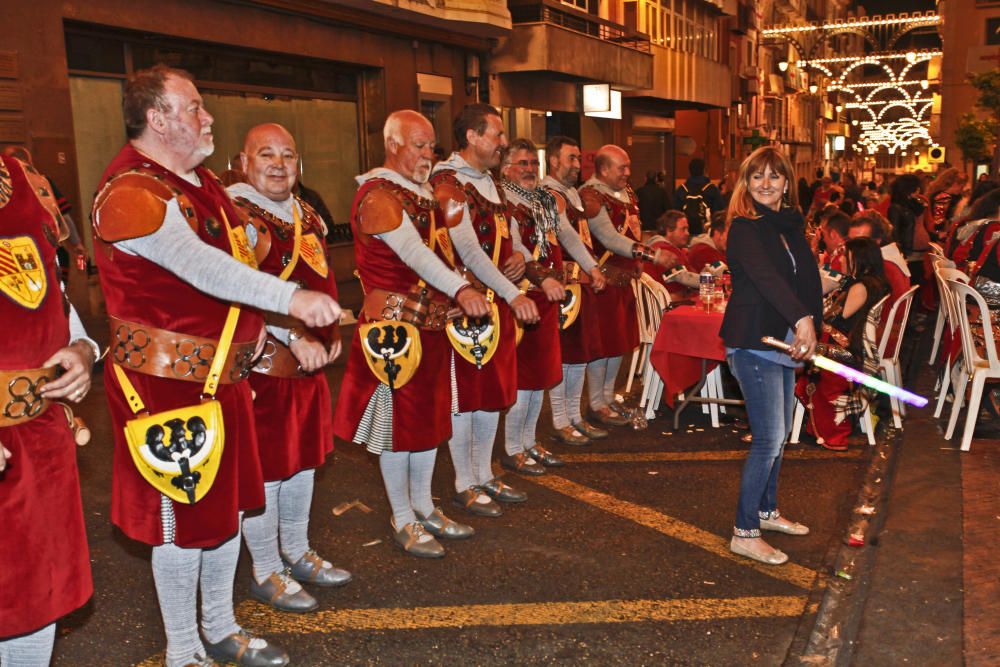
(278, 361)
(19, 394)
(423, 307)
(176, 356)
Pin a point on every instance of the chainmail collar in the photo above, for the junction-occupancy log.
(543, 209)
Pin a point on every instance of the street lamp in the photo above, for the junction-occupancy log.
(854, 122)
(783, 65)
(924, 83)
(813, 88)
(839, 108)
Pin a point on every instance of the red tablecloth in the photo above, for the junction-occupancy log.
(687, 335)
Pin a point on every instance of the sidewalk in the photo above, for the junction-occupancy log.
(934, 597)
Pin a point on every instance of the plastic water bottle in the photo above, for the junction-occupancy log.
(706, 285)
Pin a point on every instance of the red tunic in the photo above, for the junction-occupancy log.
(539, 359)
(676, 289)
(494, 386)
(421, 408)
(616, 306)
(45, 572)
(581, 341)
(294, 422)
(137, 290)
(701, 255)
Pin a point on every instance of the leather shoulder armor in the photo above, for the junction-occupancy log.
(41, 187)
(451, 198)
(380, 211)
(560, 201)
(133, 204)
(312, 219)
(592, 202)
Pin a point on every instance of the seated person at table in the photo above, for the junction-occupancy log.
(833, 230)
(710, 247)
(672, 235)
(830, 400)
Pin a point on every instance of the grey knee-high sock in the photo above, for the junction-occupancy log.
(573, 376)
(514, 422)
(596, 373)
(531, 420)
(395, 467)
(461, 450)
(421, 472)
(611, 379)
(175, 574)
(218, 570)
(484, 432)
(557, 403)
(294, 502)
(31, 650)
(261, 535)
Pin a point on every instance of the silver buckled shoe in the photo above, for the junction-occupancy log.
(241, 649)
(591, 431)
(473, 501)
(523, 463)
(414, 540)
(312, 569)
(283, 593)
(438, 525)
(570, 435)
(497, 490)
(545, 457)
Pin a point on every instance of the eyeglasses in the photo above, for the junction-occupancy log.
(526, 163)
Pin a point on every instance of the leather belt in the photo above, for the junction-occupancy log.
(175, 356)
(423, 307)
(19, 394)
(616, 276)
(278, 361)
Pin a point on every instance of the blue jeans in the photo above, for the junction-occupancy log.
(768, 389)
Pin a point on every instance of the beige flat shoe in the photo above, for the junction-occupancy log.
(773, 557)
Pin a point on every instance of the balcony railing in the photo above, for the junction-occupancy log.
(556, 13)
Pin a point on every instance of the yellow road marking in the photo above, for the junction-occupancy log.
(265, 620)
(802, 577)
(728, 455)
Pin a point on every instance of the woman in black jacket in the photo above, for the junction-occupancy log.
(776, 292)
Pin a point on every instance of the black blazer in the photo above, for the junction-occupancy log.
(770, 294)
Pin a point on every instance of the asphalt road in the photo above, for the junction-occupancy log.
(620, 558)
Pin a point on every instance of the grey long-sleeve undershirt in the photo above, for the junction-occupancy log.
(407, 244)
(602, 227)
(176, 248)
(573, 244)
(463, 237)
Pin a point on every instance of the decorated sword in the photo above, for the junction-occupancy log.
(853, 375)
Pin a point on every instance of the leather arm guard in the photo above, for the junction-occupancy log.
(536, 273)
(643, 252)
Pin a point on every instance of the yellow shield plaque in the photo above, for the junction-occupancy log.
(569, 308)
(22, 274)
(312, 251)
(476, 338)
(392, 350)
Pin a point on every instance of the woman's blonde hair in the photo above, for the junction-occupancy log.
(741, 203)
(945, 180)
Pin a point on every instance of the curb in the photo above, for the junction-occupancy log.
(831, 639)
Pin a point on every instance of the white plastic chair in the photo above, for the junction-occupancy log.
(652, 299)
(936, 249)
(942, 315)
(889, 363)
(975, 367)
(943, 274)
(867, 424)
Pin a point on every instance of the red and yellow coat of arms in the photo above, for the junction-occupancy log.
(22, 273)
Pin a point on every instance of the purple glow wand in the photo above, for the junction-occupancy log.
(853, 375)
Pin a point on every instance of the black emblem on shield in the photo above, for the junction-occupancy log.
(179, 450)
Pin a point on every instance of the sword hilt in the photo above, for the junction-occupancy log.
(774, 342)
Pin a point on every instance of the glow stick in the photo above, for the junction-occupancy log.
(853, 375)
